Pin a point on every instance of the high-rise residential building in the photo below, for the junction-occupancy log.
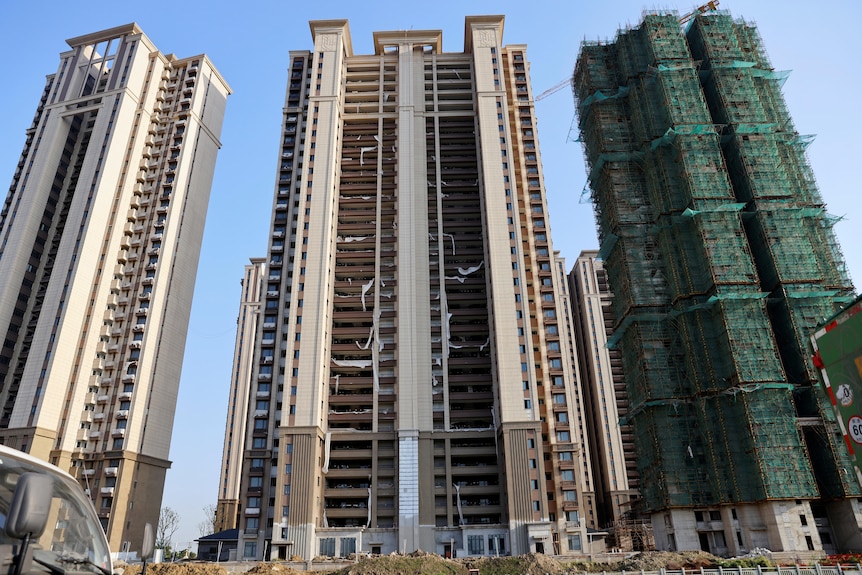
(721, 260)
(227, 508)
(99, 243)
(413, 384)
(606, 404)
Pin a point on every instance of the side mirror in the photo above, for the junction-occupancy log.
(28, 513)
(147, 545)
(30, 506)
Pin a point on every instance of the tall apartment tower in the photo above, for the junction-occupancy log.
(227, 508)
(99, 243)
(721, 260)
(606, 404)
(413, 385)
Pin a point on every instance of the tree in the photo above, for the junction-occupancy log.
(169, 522)
(207, 526)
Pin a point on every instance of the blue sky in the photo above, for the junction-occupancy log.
(249, 44)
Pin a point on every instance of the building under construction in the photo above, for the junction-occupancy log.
(722, 260)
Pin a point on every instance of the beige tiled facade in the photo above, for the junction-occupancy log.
(227, 509)
(423, 392)
(95, 295)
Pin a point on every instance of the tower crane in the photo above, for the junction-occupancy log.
(703, 9)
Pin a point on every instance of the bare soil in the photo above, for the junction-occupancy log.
(429, 564)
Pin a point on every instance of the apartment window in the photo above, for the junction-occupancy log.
(252, 523)
(556, 363)
(563, 436)
(255, 481)
(327, 546)
(258, 443)
(348, 546)
(567, 475)
(559, 398)
(475, 545)
(574, 542)
(249, 550)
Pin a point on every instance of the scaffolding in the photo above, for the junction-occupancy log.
(721, 259)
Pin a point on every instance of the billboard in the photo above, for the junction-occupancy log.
(838, 355)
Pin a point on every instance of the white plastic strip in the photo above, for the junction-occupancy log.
(326, 443)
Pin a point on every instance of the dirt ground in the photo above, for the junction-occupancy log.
(430, 564)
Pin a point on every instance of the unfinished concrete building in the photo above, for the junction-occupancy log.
(413, 385)
(721, 259)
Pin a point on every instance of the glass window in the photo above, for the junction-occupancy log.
(327, 546)
(249, 550)
(475, 545)
(348, 546)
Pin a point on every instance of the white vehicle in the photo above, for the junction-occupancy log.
(47, 524)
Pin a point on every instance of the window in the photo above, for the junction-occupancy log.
(348, 546)
(475, 545)
(254, 501)
(570, 496)
(565, 456)
(255, 481)
(567, 475)
(574, 542)
(559, 398)
(252, 523)
(327, 546)
(258, 443)
(249, 550)
(556, 363)
(563, 436)
(497, 544)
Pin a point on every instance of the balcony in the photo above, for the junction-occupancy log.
(122, 414)
(103, 398)
(88, 472)
(118, 433)
(252, 510)
(111, 471)
(573, 526)
(107, 491)
(99, 416)
(125, 396)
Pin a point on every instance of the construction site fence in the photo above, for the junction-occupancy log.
(816, 569)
